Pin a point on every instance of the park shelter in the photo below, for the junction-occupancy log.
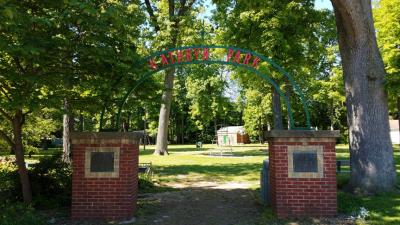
(394, 131)
(232, 135)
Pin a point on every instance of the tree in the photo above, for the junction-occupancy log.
(43, 56)
(292, 33)
(168, 21)
(371, 152)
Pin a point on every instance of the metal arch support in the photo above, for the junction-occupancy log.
(221, 62)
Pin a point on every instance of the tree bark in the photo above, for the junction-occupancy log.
(66, 133)
(166, 100)
(17, 123)
(81, 122)
(371, 151)
(277, 110)
(215, 128)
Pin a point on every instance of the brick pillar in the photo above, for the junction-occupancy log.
(303, 172)
(105, 175)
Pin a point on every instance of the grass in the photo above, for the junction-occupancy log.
(186, 162)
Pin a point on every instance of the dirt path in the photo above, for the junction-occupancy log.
(209, 203)
(199, 206)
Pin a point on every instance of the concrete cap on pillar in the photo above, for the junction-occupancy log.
(303, 133)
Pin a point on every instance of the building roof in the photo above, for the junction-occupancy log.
(232, 129)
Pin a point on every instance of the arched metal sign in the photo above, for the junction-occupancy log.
(223, 55)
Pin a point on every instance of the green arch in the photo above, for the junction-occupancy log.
(264, 76)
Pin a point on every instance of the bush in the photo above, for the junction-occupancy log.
(30, 150)
(51, 182)
(9, 180)
(19, 214)
(4, 147)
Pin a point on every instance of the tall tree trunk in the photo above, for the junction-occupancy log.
(371, 151)
(215, 128)
(66, 133)
(277, 110)
(17, 123)
(166, 100)
(260, 131)
(81, 122)
(182, 130)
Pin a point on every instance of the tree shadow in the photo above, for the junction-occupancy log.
(222, 171)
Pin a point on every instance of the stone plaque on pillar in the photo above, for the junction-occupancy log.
(105, 175)
(305, 162)
(303, 172)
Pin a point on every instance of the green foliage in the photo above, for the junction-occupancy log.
(387, 24)
(51, 182)
(257, 112)
(293, 34)
(9, 179)
(19, 214)
(205, 90)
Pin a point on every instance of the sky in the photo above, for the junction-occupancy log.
(323, 4)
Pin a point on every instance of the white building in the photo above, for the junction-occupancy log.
(394, 131)
(233, 135)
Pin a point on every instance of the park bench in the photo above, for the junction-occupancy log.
(340, 163)
(145, 171)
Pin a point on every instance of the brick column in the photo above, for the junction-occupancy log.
(303, 172)
(105, 175)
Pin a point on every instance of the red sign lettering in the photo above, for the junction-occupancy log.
(237, 57)
(171, 57)
(188, 55)
(229, 55)
(179, 55)
(206, 54)
(152, 64)
(256, 61)
(164, 60)
(246, 59)
(196, 53)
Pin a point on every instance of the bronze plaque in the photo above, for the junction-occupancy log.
(305, 162)
(102, 162)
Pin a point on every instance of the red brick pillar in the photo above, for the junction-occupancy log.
(105, 175)
(302, 172)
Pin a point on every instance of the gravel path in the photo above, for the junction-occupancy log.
(205, 203)
(200, 207)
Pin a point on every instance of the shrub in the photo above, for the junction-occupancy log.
(9, 180)
(30, 150)
(51, 182)
(4, 147)
(19, 214)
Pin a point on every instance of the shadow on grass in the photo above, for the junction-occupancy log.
(172, 150)
(218, 171)
(383, 208)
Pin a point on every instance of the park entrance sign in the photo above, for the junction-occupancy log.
(224, 55)
(302, 161)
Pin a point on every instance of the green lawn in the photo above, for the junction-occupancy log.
(185, 160)
(245, 165)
